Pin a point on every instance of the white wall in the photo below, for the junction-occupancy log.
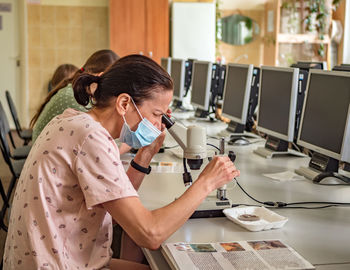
(9, 55)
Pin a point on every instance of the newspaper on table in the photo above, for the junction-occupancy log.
(262, 254)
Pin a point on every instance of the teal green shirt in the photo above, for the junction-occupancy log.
(61, 101)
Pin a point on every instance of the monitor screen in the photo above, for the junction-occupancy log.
(277, 102)
(201, 81)
(165, 63)
(237, 92)
(178, 75)
(325, 112)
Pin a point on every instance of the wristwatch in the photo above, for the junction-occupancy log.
(140, 168)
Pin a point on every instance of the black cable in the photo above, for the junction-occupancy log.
(214, 137)
(212, 145)
(171, 147)
(187, 178)
(288, 205)
(338, 203)
(291, 207)
(247, 193)
(185, 167)
(315, 207)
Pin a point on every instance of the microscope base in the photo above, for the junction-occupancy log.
(211, 207)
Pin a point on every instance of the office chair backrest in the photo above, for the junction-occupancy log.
(5, 149)
(4, 131)
(13, 111)
(3, 119)
(5, 124)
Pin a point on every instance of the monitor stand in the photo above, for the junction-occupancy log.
(177, 104)
(237, 130)
(200, 113)
(235, 127)
(276, 147)
(318, 164)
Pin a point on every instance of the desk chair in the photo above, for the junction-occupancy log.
(19, 152)
(15, 167)
(24, 134)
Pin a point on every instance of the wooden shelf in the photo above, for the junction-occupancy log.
(301, 38)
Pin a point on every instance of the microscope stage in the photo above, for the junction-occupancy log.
(211, 207)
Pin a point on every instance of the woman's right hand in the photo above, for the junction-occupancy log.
(219, 171)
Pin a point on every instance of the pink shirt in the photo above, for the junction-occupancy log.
(56, 219)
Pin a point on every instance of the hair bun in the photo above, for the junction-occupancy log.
(81, 87)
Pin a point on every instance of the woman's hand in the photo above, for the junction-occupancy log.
(124, 148)
(146, 153)
(154, 147)
(218, 172)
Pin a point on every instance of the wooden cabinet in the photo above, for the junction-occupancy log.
(139, 26)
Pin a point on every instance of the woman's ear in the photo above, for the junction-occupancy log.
(122, 103)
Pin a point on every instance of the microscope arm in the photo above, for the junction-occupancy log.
(179, 133)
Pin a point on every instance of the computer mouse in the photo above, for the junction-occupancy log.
(331, 181)
(238, 141)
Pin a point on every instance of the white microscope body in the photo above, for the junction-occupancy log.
(193, 141)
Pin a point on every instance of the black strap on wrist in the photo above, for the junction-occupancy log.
(140, 168)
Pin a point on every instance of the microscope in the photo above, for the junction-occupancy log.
(193, 141)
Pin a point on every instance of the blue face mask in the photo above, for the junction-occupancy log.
(144, 135)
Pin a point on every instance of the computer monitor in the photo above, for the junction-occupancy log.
(201, 81)
(217, 85)
(325, 121)
(188, 74)
(342, 68)
(237, 95)
(217, 81)
(165, 62)
(178, 75)
(277, 106)
(314, 64)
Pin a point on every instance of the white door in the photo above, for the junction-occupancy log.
(193, 31)
(9, 55)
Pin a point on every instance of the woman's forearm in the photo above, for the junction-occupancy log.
(171, 217)
(150, 228)
(136, 177)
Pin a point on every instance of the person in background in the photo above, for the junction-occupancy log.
(73, 184)
(63, 72)
(62, 96)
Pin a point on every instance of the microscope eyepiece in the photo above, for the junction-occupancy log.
(167, 121)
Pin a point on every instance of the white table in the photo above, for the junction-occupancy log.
(320, 236)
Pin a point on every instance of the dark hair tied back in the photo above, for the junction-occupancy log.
(136, 75)
(81, 86)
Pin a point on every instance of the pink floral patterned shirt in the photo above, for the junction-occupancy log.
(57, 221)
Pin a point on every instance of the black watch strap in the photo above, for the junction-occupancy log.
(140, 168)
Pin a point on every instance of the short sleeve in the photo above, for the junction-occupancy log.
(100, 173)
